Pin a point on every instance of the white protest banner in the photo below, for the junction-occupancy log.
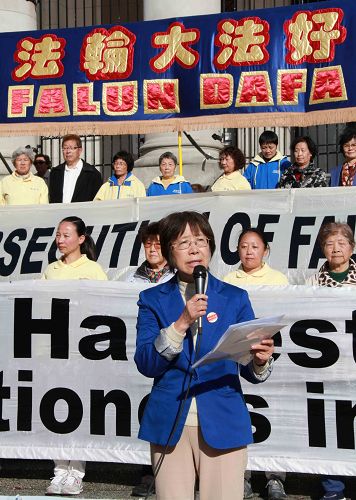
(69, 388)
(290, 219)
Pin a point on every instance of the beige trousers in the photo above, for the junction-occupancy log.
(220, 472)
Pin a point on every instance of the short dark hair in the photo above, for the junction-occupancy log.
(88, 246)
(169, 156)
(348, 134)
(46, 159)
(268, 137)
(150, 231)
(258, 232)
(313, 148)
(72, 137)
(236, 154)
(331, 228)
(127, 157)
(198, 188)
(172, 226)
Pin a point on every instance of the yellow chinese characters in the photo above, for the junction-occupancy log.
(39, 58)
(176, 42)
(107, 55)
(241, 42)
(311, 36)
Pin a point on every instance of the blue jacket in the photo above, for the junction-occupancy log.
(335, 174)
(179, 186)
(223, 416)
(266, 175)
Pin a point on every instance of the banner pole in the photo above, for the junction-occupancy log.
(180, 153)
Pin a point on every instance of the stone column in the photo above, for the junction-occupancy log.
(16, 15)
(195, 168)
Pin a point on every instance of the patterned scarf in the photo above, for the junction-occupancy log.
(308, 177)
(348, 174)
(150, 275)
(324, 278)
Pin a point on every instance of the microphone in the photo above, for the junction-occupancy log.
(199, 275)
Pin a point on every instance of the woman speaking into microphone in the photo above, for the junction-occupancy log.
(196, 420)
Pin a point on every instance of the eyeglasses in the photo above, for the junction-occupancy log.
(185, 244)
(149, 243)
(70, 148)
(350, 146)
(40, 162)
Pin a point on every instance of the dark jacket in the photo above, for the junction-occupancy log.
(88, 184)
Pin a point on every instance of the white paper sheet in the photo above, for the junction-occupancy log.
(236, 342)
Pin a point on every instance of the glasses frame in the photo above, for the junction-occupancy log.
(348, 146)
(150, 243)
(190, 242)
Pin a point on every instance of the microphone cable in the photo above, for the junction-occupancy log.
(158, 466)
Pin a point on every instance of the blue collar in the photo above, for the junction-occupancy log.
(114, 182)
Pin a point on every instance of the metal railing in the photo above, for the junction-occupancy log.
(325, 136)
(55, 14)
(100, 149)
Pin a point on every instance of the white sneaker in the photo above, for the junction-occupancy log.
(55, 487)
(72, 485)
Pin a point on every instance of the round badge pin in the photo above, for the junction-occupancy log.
(212, 317)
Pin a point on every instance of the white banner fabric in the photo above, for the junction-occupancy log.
(69, 388)
(290, 218)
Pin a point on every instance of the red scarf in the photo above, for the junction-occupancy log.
(348, 174)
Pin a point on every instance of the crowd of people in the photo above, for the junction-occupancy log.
(75, 180)
(172, 248)
(167, 336)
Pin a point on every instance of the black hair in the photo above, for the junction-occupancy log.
(46, 159)
(172, 226)
(313, 148)
(169, 156)
(127, 157)
(268, 137)
(88, 245)
(256, 231)
(147, 232)
(348, 134)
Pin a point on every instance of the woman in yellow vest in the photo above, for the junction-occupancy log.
(22, 187)
(77, 262)
(123, 183)
(231, 160)
(252, 248)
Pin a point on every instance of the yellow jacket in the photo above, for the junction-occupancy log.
(18, 190)
(131, 188)
(231, 182)
(264, 276)
(81, 269)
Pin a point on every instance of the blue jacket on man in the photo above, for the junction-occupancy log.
(262, 174)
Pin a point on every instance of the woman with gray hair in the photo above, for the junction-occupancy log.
(22, 187)
(337, 243)
(168, 182)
